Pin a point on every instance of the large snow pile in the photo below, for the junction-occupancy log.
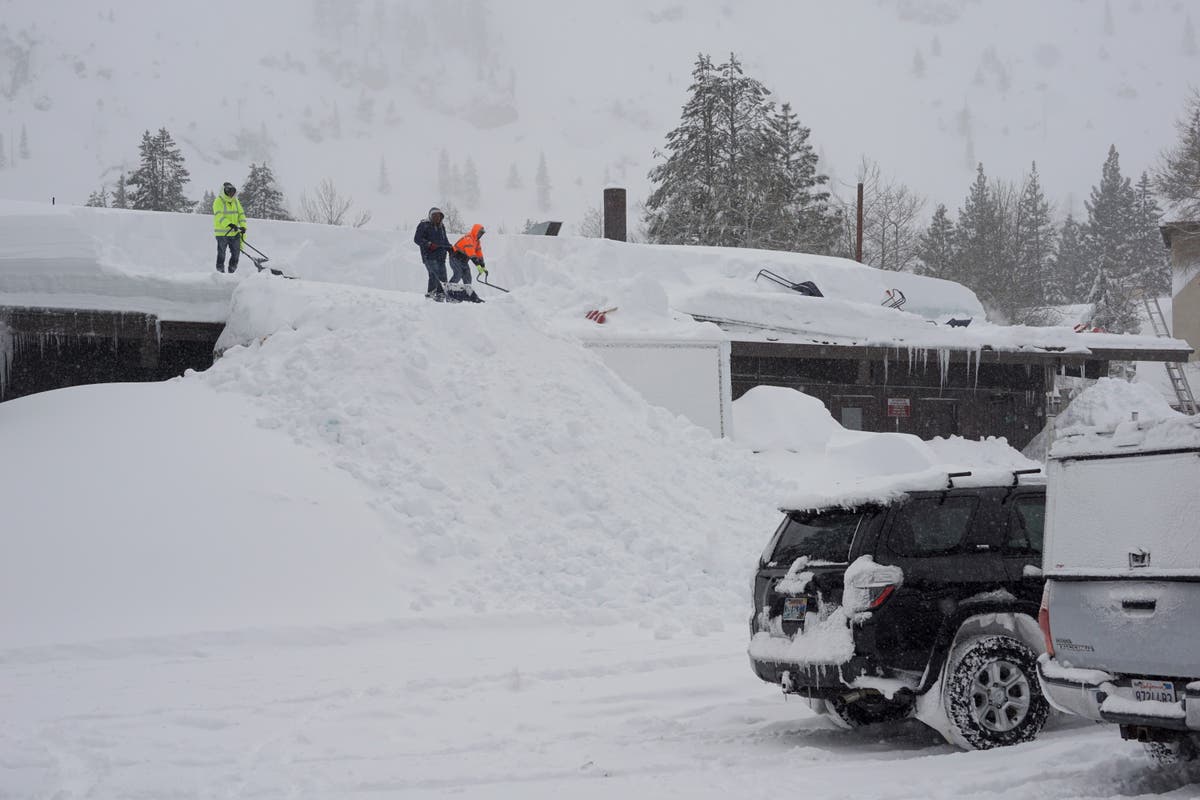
(152, 509)
(1110, 402)
(796, 437)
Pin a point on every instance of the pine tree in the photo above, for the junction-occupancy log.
(120, 199)
(979, 242)
(260, 195)
(745, 179)
(1189, 37)
(205, 206)
(23, 146)
(681, 208)
(918, 64)
(161, 176)
(936, 247)
(1178, 176)
(1151, 264)
(98, 198)
(1033, 246)
(470, 185)
(796, 205)
(514, 178)
(1069, 268)
(385, 184)
(1108, 245)
(542, 182)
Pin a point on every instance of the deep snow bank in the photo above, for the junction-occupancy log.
(148, 509)
(505, 458)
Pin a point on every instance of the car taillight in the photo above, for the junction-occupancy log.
(1044, 620)
(879, 595)
(869, 585)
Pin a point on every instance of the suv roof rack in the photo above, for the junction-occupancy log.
(1017, 473)
(952, 475)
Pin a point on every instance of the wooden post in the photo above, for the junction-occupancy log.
(614, 214)
(859, 228)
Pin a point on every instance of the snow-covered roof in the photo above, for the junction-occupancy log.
(162, 264)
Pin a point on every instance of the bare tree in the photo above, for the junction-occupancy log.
(891, 217)
(327, 206)
(592, 224)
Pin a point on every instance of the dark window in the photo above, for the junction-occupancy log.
(931, 525)
(822, 536)
(1027, 525)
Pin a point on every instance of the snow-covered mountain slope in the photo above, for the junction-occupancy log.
(337, 89)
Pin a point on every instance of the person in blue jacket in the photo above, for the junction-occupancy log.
(434, 245)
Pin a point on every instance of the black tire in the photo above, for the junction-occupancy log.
(862, 712)
(992, 697)
(1185, 748)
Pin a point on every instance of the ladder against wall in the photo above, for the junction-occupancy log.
(1178, 378)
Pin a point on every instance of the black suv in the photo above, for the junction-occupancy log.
(925, 606)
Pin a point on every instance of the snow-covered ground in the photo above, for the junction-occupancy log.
(393, 548)
(488, 706)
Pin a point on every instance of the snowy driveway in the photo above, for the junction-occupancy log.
(495, 708)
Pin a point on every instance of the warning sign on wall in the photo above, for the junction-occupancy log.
(899, 407)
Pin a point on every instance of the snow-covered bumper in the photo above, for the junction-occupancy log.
(815, 662)
(1122, 700)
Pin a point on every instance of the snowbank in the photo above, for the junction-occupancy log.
(151, 509)
(795, 436)
(1109, 403)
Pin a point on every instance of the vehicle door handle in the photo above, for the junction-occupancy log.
(1139, 605)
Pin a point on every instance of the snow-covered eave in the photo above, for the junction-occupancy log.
(1104, 346)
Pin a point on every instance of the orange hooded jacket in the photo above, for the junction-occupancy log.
(469, 245)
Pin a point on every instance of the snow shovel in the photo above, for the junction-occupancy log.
(262, 259)
(483, 278)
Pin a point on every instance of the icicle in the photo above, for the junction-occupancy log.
(943, 365)
(885, 367)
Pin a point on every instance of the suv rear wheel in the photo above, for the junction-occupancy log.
(992, 697)
(1185, 748)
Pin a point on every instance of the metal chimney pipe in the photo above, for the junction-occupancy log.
(614, 214)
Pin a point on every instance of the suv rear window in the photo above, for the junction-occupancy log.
(820, 535)
(931, 525)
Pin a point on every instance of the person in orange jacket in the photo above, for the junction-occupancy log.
(466, 249)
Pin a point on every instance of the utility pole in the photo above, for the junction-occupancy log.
(859, 227)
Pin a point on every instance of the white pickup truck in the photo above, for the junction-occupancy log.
(1121, 607)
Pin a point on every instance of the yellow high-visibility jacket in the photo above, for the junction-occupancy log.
(227, 211)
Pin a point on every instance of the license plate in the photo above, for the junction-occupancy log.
(1163, 691)
(794, 609)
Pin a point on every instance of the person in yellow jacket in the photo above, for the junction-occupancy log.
(229, 225)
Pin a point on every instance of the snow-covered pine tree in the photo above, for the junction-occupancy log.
(1151, 263)
(161, 176)
(797, 209)
(936, 246)
(1178, 176)
(260, 195)
(1108, 245)
(542, 182)
(470, 185)
(120, 198)
(979, 242)
(681, 207)
(98, 198)
(205, 206)
(3, 153)
(1189, 37)
(1033, 246)
(514, 178)
(385, 183)
(1069, 268)
(23, 146)
(746, 176)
